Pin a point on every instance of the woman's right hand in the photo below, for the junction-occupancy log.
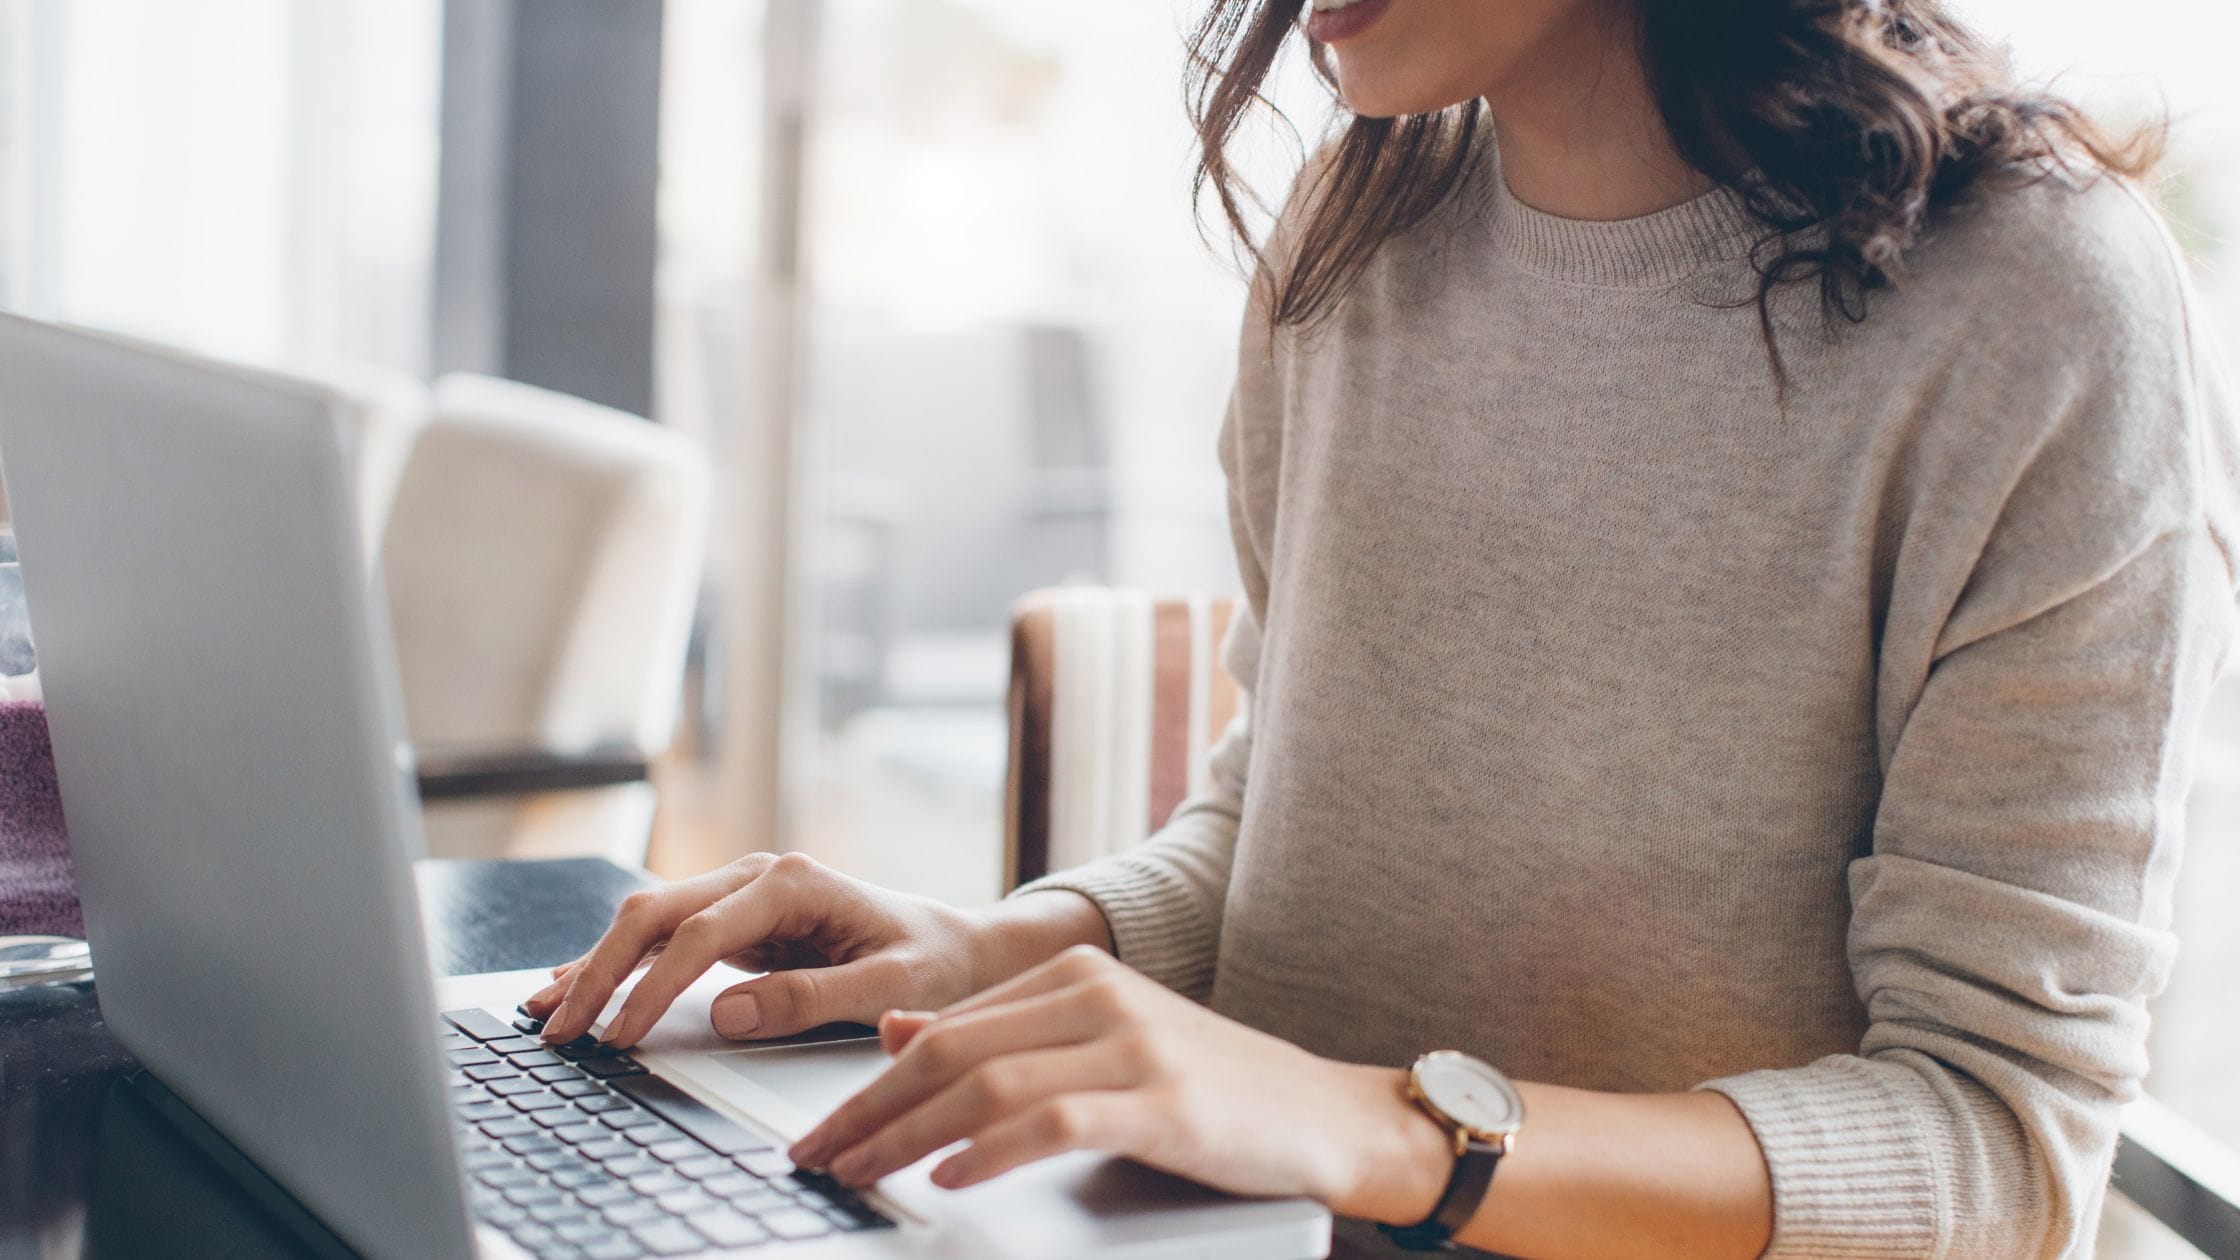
(835, 948)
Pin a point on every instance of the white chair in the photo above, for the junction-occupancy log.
(542, 557)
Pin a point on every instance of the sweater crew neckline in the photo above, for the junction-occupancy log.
(1650, 251)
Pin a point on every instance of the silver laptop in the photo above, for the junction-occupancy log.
(218, 682)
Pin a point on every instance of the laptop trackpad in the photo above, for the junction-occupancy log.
(812, 1079)
(1074, 1205)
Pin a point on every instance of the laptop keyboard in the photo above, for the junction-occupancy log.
(578, 1154)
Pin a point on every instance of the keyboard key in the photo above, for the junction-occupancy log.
(727, 1229)
(452, 1039)
(559, 1212)
(502, 1214)
(486, 1110)
(764, 1164)
(554, 1161)
(795, 1224)
(604, 1068)
(557, 1117)
(684, 1202)
(654, 1184)
(670, 1238)
(610, 1149)
(606, 1194)
(715, 1130)
(540, 1101)
(578, 1178)
(634, 1166)
(631, 1118)
(622, 1248)
(598, 1100)
(763, 1198)
(513, 1043)
(585, 1047)
(511, 1085)
(703, 1166)
(812, 1197)
(489, 1072)
(636, 1212)
(581, 1087)
(510, 1175)
(528, 1060)
(526, 1023)
(551, 1074)
(473, 1056)
(671, 1151)
(532, 1144)
(531, 1235)
(585, 1232)
(511, 1126)
(581, 1134)
(476, 1161)
(478, 1024)
(534, 1193)
(730, 1183)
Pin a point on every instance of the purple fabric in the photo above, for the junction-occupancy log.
(38, 891)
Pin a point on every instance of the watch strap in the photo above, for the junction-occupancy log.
(1466, 1190)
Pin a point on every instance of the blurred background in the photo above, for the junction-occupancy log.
(922, 279)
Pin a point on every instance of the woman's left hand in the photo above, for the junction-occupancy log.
(1084, 1053)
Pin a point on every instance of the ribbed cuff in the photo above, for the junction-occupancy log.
(1854, 1169)
(1157, 925)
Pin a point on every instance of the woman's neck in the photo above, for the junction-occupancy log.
(1580, 133)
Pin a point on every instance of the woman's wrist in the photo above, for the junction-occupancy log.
(1402, 1158)
(1021, 933)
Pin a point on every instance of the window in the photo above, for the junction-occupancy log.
(252, 177)
(2176, 52)
(1018, 351)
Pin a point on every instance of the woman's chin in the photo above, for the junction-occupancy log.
(1374, 95)
(1373, 103)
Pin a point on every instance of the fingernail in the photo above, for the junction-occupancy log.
(805, 1152)
(850, 1167)
(736, 1015)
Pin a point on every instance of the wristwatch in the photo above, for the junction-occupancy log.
(1475, 1103)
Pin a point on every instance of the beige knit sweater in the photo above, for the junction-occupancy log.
(1613, 725)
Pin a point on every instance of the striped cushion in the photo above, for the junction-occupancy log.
(1115, 697)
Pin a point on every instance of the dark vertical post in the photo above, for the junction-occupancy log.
(545, 235)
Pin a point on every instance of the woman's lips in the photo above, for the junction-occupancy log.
(1332, 25)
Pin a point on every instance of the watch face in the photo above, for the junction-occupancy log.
(1472, 1094)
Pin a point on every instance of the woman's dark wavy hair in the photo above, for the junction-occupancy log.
(1843, 125)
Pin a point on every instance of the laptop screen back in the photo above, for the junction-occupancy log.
(218, 688)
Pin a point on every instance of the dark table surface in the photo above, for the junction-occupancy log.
(89, 1169)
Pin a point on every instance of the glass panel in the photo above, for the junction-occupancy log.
(251, 177)
(1019, 353)
(2176, 54)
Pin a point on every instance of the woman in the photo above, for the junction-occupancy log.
(1735, 524)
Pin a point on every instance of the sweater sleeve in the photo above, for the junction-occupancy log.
(2011, 919)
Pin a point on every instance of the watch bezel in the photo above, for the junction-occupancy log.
(1465, 1132)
